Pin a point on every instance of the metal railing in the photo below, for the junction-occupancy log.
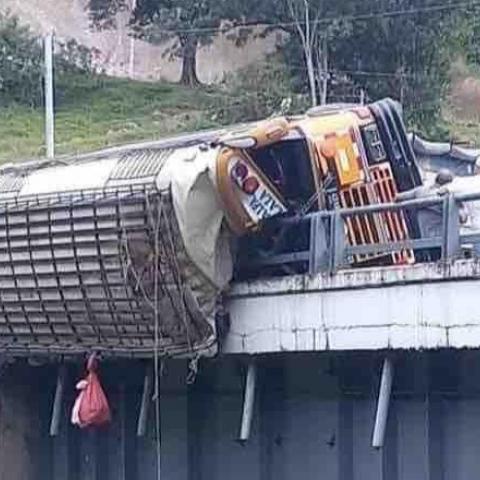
(329, 251)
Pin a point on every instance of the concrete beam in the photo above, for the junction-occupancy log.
(420, 307)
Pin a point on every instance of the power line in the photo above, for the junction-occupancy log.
(373, 73)
(334, 71)
(328, 20)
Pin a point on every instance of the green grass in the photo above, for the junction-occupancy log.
(96, 112)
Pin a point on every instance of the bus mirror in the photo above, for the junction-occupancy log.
(259, 135)
(238, 142)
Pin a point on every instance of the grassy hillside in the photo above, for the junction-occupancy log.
(96, 112)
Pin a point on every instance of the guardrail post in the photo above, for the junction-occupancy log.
(318, 245)
(337, 241)
(451, 228)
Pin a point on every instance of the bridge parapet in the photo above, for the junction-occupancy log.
(332, 243)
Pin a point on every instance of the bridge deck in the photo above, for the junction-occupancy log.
(424, 306)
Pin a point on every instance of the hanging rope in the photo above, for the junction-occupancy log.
(157, 345)
(167, 282)
(178, 280)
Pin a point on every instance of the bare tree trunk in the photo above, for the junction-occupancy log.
(322, 69)
(308, 47)
(189, 61)
(325, 72)
(311, 76)
(402, 85)
(300, 12)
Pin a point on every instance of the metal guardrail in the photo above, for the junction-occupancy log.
(329, 250)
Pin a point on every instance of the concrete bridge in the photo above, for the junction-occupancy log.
(422, 306)
(339, 374)
(336, 307)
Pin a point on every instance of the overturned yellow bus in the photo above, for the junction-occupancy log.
(333, 157)
(128, 250)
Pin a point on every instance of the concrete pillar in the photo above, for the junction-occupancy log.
(19, 428)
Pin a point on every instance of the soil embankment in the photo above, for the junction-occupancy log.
(120, 55)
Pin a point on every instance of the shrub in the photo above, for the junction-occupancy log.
(21, 63)
(72, 57)
(258, 91)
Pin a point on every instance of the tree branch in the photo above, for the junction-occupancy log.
(295, 18)
(316, 22)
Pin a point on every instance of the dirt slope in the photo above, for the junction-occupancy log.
(122, 56)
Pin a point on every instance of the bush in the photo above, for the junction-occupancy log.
(21, 63)
(72, 57)
(258, 91)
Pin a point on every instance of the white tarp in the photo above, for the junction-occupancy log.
(190, 174)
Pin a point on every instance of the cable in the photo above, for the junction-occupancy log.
(373, 73)
(333, 71)
(156, 361)
(327, 20)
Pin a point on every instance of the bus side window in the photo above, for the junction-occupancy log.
(287, 165)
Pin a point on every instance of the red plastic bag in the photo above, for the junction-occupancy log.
(91, 407)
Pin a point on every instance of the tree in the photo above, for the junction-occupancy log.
(189, 23)
(399, 48)
(311, 22)
(310, 27)
(306, 15)
(260, 90)
(406, 56)
(21, 63)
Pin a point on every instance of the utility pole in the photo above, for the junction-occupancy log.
(49, 115)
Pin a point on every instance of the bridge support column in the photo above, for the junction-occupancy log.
(20, 430)
(57, 409)
(383, 404)
(146, 401)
